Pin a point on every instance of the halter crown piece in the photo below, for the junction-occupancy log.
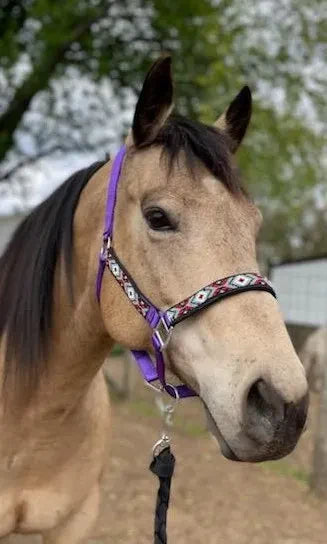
(162, 322)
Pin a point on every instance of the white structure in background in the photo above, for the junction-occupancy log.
(8, 223)
(301, 288)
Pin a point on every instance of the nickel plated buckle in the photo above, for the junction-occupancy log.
(105, 248)
(162, 333)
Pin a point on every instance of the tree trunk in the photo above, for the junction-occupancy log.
(23, 96)
(319, 475)
(35, 82)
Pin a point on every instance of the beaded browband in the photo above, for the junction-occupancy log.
(160, 321)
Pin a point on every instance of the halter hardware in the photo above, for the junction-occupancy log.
(163, 322)
(162, 334)
(105, 248)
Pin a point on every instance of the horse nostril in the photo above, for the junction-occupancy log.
(268, 417)
(296, 414)
(263, 402)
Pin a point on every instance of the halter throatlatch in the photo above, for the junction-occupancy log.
(162, 322)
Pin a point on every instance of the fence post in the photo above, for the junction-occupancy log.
(319, 474)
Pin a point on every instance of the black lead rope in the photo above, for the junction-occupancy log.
(162, 466)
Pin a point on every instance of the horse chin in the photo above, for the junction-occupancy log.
(225, 449)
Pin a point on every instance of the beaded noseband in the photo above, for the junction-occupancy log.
(162, 322)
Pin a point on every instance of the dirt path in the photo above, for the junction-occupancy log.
(213, 501)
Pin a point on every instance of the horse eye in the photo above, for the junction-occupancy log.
(157, 219)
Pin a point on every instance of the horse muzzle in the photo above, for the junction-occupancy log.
(270, 428)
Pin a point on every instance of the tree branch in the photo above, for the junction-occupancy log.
(28, 161)
(36, 81)
(57, 148)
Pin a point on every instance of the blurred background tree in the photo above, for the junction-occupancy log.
(70, 72)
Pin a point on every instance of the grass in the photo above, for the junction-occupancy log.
(116, 350)
(282, 468)
(147, 409)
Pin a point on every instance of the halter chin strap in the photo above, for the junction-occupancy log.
(163, 322)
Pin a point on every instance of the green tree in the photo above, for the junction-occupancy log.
(278, 47)
(100, 39)
(63, 63)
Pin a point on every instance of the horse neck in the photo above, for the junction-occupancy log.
(79, 341)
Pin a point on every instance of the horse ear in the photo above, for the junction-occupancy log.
(235, 120)
(154, 104)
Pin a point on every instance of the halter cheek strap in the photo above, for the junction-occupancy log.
(162, 322)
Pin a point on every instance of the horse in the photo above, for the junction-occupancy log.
(314, 358)
(182, 219)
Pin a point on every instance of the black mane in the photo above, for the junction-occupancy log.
(27, 270)
(27, 267)
(200, 142)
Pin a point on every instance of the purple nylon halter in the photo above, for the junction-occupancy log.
(162, 322)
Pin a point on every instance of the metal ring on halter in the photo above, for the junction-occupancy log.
(175, 389)
(158, 389)
(162, 389)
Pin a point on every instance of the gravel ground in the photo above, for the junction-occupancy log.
(213, 500)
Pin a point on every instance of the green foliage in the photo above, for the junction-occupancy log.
(283, 468)
(117, 350)
(181, 423)
(47, 48)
